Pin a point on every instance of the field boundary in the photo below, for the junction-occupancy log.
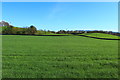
(36, 35)
(98, 38)
(76, 35)
(51, 35)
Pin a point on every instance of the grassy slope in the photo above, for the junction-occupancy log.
(59, 57)
(56, 34)
(101, 35)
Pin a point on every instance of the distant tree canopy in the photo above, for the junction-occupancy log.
(19, 31)
(9, 29)
(6, 28)
(32, 30)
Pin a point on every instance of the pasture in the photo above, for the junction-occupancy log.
(58, 57)
(101, 35)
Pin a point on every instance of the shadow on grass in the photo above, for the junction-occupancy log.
(98, 38)
(75, 35)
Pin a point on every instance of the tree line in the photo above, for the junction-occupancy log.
(8, 29)
(19, 31)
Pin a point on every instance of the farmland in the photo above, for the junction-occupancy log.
(101, 35)
(59, 57)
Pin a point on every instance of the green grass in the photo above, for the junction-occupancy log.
(55, 34)
(59, 57)
(0, 30)
(101, 35)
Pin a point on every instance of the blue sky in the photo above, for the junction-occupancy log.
(60, 0)
(62, 15)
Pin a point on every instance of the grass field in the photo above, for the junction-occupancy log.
(101, 35)
(58, 34)
(59, 57)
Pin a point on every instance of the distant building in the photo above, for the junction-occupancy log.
(3, 23)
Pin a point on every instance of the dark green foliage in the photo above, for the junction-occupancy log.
(7, 30)
(19, 31)
(32, 30)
